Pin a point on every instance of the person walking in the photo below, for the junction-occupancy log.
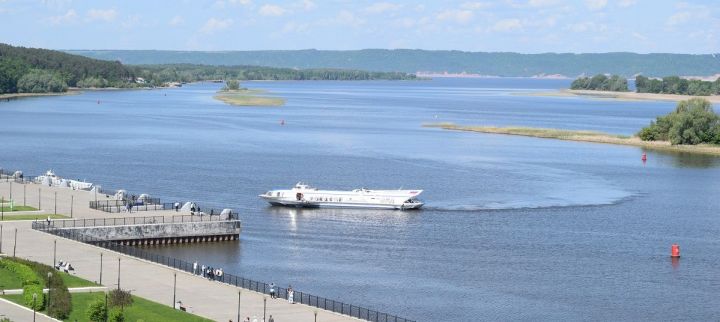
(272, 291)
(177, 206)
(290, 294)
(202, 272)
(271, 319)
(195, 268)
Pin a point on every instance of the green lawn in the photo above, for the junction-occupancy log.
(8, 280)
(74, 281)
(141, 309)
(18, 208)
(33, 217)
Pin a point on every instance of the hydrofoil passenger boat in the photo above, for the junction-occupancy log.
(302, 195)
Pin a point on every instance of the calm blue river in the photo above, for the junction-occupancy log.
(515, 228)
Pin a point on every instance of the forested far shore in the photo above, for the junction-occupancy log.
(34, 70)
(666, 85)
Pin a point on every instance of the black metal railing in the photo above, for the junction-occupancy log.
(99, 222)
(355, 311)
(138, 205)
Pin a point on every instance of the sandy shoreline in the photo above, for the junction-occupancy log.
(583, 136)
(21, 95)
(626, 96)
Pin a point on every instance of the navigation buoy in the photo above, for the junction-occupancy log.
(282, 122)
(644, 156)
(675, 251)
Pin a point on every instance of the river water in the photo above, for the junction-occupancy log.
(514, 228)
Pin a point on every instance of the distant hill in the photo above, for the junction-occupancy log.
(411, 61)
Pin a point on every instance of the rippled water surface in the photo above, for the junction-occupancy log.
(515, 228)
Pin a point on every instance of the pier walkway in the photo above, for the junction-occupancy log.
(214, 300)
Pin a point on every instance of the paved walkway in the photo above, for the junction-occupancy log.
(209, 299)
(19, 313)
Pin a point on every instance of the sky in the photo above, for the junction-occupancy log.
(525, 26)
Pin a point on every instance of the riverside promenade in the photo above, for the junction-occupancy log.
(213, 300)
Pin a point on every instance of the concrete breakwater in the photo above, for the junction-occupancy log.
(156, 233)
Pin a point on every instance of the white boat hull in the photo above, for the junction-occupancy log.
(304, 196)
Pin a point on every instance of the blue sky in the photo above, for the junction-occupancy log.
(527, 26)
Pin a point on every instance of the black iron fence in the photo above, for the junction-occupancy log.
(355, 311)
(97, 222)
(128, 205)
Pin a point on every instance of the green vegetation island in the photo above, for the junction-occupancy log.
(62, 303)
(693, 127)
(34, 71)
(667, 85)
(233, 94)
(503, 64)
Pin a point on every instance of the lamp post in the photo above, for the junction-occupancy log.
(39, 192)
(34, 300)
(55, 211)
(118, 273)
(174, 287)
(49, 276)
(1, 237)
(72, 200)
(2, 208)
(106, 308)
(15, 244)
(101, 268)
(24, 190)
(315, 315)
(11, 190)
(264, 306)
(239, 296)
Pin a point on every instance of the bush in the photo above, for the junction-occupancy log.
(41, 81)
(119, 298)
(96, 311)
(39, 303)
(232, 84)
(692, 122)
(116, 315)
(24, 272)
(60, 302)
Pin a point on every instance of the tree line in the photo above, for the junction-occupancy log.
(34, 70)
(600, 82)
(692, 122)
(677, 85)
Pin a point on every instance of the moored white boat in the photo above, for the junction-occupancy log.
(303, 195)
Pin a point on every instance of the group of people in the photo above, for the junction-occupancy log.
(290, 293)
(208, 272)
(65, 267)
(255, 319)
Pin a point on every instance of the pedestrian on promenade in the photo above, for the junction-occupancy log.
(192, 209)
(177, 206)
(220, 274)
(195, 268)
(247, 319)
(271, 319)
(290, 294)
(272, 291)
(202, 272)
(211, 212)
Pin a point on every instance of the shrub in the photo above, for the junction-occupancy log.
(96, 311)
(692, 122)
(116, 315)
(119, 298)
(24, 272)
(39, 303)
(60, 302)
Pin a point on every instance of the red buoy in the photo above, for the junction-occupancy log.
(644, 157)
(675, 251)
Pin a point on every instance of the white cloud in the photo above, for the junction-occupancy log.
(587, 26)
(627, 3)
(679, 18)
(380, 7)
(272, 10)
(506, 25)
(308, 5)
(457, 16)
(542, 3)
(69, 17)
(176, 21)
(106, 15)
(220, 4)
(296, 27)
(131, 21)
(476, 5)
(348, 18)
(639, 36)
(213, 25)
(596, 4)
